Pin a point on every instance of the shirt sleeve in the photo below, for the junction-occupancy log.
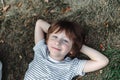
(79, 66)
(40, 49)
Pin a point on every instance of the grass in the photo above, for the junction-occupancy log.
(111, 71)
(17, 30)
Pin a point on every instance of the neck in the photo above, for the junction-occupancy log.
(57, 58)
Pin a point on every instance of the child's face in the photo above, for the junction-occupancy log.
(59, 44)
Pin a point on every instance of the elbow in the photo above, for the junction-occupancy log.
(105, 62)
(39, 21)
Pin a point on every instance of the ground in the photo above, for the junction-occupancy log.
(99, 18)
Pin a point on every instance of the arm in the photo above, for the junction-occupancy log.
(97, 61)
(40, 27)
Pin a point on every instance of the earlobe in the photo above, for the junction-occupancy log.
(71, 52)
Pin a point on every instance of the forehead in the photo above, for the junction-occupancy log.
(60, 33)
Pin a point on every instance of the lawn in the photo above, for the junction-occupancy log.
(99, 18)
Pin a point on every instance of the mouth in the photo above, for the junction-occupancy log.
(56, 48)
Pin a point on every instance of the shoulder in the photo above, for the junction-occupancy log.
(78, 66)
(40, 44)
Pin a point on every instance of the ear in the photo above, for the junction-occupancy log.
(71, 52)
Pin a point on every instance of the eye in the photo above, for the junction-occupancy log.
(65, 41)
(54, 36)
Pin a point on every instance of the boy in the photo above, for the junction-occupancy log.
(52, 57)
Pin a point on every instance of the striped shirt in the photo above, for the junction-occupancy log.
(43, 67)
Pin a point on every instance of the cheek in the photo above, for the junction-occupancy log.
(67, 48)
(50, 42)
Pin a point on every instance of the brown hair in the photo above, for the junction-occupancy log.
(73, 31)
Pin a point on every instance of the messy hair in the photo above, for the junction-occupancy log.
(73, 31)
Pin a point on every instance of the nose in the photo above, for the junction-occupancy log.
(58, 42)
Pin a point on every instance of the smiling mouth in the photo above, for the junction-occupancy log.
(56, 49)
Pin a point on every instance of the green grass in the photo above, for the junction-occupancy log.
(112, 71)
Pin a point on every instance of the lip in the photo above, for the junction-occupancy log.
(56, 48)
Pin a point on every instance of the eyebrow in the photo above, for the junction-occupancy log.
(66, 38)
